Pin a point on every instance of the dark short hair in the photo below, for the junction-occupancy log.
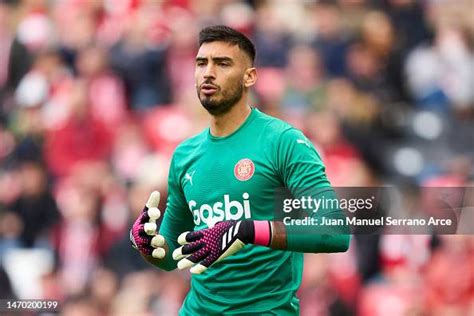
(222, 33)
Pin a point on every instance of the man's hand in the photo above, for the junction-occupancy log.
(143, 234)
(203, 248)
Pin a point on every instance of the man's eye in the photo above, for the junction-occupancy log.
(224, 64)
(200, 63)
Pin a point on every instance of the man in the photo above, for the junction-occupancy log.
(222, 186)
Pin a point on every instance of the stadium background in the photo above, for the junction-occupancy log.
(96, 94)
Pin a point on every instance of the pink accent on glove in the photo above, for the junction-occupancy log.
(262, 233)
(142, 241)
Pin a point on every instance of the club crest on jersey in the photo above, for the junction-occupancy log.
(244, 169)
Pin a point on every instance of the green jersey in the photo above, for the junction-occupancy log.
(231, 178)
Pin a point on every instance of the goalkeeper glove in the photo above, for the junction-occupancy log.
(143, 234)
(203, 248)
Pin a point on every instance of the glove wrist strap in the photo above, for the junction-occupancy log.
(262, 233)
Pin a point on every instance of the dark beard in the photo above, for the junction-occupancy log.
(219, 107)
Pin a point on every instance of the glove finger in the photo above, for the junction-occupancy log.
(184, 264)
(198, 269)
(142, 232)
(191, 260)
(187, 249)
(157, 241)
(152, 203)
(150, 228)
(153, 200)
(188, 237)
(211, 259)
(153, 214)
(207, 262)
(178, 253)
(158, 253)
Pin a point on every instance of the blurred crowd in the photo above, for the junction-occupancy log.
(95, 95)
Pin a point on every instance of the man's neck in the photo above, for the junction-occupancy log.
(225, 124)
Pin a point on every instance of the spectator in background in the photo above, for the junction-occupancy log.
(77, 24)
(409, 20)
(76, 238)
(440, 76)
(5, 285)
(317, 293)
(365, 55)
(129, 261)
(331, 40)
(338, 154)
(129, 148)
(82, 139)
(79, 305)
(141, 64)
(449, 277)
(6, 39)
(358, 114)
(35, 207)
(378, 37)
(35, 32)
(305, 86)
(103, 289)
(106, 94)
(11, 228)
(42, 94)
(270, 88)
(364, 70)
(136, 299)
(270, 38)
(180, 54)
(205, 12)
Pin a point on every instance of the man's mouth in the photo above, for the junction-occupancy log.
(208, 89)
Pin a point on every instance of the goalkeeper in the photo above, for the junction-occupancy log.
(220, 220)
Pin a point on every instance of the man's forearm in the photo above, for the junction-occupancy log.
(317, 237)
(309, 239)
(278, 240)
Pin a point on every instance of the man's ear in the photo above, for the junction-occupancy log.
(250, 77)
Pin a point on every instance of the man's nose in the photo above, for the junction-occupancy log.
(210, 72)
